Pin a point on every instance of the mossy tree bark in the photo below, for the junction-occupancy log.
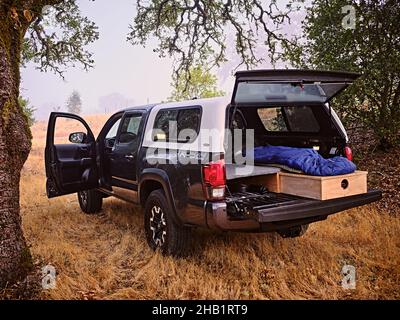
(15, 144)
(20, 18)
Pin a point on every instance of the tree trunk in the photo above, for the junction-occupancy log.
(15, 143)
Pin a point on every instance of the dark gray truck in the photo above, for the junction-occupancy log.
(185, 181)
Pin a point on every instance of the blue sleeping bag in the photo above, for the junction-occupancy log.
(307, 160)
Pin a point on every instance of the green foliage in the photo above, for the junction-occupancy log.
(197, 32)
(57, 37)
(372, 48)
(28, 110)
(202, 84)
(74, 103)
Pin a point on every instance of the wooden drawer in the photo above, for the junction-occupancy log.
(323, 188)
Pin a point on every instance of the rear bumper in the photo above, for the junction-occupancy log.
(301, 212)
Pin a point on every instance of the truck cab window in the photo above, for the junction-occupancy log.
(177, 125)
(130, 128)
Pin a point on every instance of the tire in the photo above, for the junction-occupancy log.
(162, 232)
(293, 232)
(90, 201)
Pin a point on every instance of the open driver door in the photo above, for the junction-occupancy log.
(70, 165)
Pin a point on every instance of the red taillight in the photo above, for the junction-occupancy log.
(348, 153)
(214, 180)
(214, 173)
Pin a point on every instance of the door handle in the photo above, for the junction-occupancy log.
(130, 156)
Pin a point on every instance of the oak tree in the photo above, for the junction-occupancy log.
(202, 84)
(23, 37)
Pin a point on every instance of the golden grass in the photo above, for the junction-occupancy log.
(105, 256)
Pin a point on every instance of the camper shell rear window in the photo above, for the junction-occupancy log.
(289, 119)
(270, 92)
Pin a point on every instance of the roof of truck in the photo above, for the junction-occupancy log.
(133, 108)
(207, 102)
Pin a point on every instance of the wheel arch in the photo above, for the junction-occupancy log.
(153, 179)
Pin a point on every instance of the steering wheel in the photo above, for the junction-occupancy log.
(127, 137)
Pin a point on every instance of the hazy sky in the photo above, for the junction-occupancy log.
(135, 72)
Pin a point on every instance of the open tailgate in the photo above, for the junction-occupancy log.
(307, 208)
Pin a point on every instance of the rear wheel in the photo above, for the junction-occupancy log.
(162, 232)
(90, 201)
(293, 232)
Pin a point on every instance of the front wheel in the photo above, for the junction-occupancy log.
(162, 232)
(90, 201)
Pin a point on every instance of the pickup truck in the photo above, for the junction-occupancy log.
(174, 161)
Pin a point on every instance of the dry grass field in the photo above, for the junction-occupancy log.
(105, 256)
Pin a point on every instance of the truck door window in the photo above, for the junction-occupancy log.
(130, 128)
(109, 140)
(112, 133)
(64, 127)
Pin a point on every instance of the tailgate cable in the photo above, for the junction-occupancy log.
(233, 200)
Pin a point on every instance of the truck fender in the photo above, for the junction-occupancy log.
(160, 176)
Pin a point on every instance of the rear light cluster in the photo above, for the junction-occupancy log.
(214, 180)
(348, 153)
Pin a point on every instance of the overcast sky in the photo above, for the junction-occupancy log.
(136, 73)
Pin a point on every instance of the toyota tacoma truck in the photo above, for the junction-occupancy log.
(192, 179)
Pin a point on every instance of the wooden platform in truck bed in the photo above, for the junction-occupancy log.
(234, 171)
(313, 187)
(323, 188)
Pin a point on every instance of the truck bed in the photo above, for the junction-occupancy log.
(266, 200)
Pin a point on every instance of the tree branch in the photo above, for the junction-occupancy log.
(194, 31)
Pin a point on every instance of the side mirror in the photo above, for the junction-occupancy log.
(77, 137)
